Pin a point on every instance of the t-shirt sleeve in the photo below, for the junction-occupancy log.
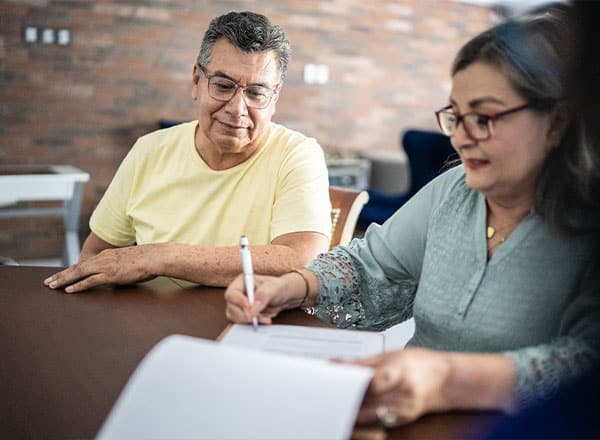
(302, 196)
(110, 221)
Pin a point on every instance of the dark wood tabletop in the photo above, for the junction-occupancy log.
(64, 358)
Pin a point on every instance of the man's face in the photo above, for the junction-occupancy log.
(231, 128)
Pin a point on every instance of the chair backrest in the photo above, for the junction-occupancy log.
(428, 152)
(346, 205)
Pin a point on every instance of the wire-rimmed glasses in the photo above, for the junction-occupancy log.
(478, 126)
(223, 89)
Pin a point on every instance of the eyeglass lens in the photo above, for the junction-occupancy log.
(223, 89)
(475, 124)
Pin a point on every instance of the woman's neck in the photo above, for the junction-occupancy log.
(513, 211)
(503, 218)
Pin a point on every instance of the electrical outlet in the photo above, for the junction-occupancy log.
(30, 34)
(63, 37)
(310, 73)
(48, 36)
(316, 74)
(322, 76)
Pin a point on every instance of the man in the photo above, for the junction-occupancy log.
(184, 195)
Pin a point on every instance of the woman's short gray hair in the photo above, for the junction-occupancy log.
(250, 32)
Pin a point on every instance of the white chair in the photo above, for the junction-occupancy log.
(20, 183)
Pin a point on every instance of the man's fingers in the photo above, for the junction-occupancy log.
(87, 283)
(65, 277)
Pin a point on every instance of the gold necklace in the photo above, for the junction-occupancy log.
(490, 233)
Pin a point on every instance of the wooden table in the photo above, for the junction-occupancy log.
(65, 358)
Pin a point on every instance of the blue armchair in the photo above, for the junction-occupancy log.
(428, 155)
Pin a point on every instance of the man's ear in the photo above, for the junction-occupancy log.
(560, 117)
(276, 97)
(195, 80)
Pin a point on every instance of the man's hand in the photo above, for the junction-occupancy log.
(125, 265)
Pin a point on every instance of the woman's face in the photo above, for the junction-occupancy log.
(508, 163)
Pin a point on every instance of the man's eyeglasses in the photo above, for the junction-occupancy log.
(477, 125)
(223, 89)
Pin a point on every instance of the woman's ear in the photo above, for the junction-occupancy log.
(560, 117)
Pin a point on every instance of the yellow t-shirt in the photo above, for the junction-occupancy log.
(164, 192)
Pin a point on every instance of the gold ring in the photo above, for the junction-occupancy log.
(387, 418)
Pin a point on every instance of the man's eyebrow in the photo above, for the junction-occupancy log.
(222, 74)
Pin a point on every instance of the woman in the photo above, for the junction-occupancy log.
(485, 257)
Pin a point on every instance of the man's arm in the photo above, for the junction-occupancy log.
(213, 266)
(93, 245)
(218, 266)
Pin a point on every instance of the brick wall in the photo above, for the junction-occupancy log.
(130, 62)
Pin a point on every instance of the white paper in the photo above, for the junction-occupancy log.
(315, 342)
(397, 337)
(189, 388)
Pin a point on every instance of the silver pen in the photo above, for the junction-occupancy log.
(248, 274)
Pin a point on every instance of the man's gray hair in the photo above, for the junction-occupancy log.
(250, 32)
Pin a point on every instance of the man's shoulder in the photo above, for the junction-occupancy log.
(283, 135)
(172, 132)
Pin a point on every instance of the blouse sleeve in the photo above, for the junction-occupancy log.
(542, 369)
(371, 283)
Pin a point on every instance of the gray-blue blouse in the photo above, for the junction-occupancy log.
(536, 298)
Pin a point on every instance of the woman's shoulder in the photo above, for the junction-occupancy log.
(449, 184)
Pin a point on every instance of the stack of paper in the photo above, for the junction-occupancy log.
(315, 342)
(189, 388)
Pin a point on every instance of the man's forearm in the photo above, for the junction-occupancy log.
(93, 245)
(218, 266)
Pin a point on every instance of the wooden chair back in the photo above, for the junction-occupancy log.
(346, 205)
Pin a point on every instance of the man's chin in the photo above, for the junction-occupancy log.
(232, 144)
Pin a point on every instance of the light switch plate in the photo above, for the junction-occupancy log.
(30, 34)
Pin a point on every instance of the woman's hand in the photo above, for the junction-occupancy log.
(406, 384)
(271, 296)
(409, 383)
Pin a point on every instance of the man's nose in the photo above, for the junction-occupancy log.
(237, 104)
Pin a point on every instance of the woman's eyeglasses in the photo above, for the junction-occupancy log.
(478, 126)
